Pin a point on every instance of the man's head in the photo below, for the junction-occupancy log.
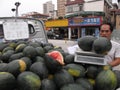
(106, 30)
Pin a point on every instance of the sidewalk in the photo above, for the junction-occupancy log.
(63, 43)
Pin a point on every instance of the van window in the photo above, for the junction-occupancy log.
(31, 29)
(1, 31)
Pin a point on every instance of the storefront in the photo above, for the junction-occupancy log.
(76, 27)
(85, 26)
(59, 27)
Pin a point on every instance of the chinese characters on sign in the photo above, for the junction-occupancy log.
(85, 21)
(15, 30)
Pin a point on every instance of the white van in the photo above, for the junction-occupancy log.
(17, 28)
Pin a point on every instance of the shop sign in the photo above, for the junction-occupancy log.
(85, 21)
(57, 23)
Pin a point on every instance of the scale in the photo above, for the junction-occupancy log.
(89, 58)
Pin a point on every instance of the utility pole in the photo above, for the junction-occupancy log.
(17, 4)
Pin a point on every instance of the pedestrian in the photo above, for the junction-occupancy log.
(113, 56)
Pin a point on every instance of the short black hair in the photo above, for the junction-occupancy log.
(107, 23)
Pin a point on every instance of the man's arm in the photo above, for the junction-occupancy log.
(115, 62)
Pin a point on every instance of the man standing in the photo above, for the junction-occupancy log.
(113, 56)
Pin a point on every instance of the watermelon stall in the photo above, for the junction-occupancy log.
(42, 66)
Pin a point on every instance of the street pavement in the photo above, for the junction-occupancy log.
(63, 43)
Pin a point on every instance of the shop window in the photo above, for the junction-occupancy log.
(69, 9)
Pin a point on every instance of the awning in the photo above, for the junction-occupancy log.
(85, 13)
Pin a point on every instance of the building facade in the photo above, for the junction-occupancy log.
(61, 8)
(73, 6)
(35, 15)
(86, 16)
(49, 9)
(119, 4)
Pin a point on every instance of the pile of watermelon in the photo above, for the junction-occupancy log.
(43, 66)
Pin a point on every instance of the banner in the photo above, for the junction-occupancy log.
(84, 21)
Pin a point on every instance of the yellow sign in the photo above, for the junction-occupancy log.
(57, 23)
